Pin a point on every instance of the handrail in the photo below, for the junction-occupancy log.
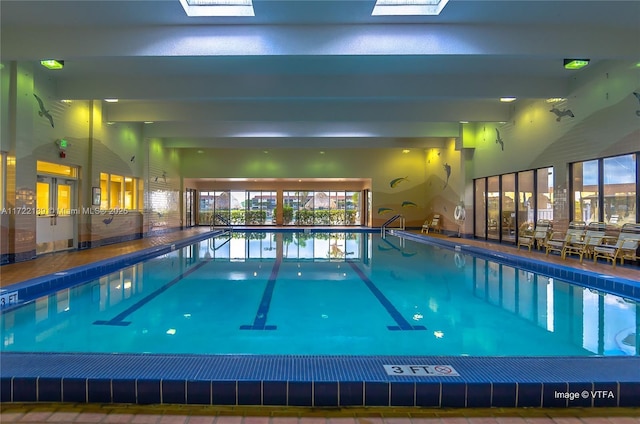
(219, 217)
(383, 228)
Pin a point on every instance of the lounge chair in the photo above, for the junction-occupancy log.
(626, 246)
(542, 232)
(433, 224)
(558, 240)
(593, 236)
(526, 236)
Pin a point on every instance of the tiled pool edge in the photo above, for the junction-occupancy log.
(318, 381)
(599, 281)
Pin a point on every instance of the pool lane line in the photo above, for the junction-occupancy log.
(118, 320)
(403, 324)
(260, 321)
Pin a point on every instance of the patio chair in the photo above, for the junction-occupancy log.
(526, 236)
(625, 247)
(558, 240)
(542, 232)
(593, 236)
(433, 224)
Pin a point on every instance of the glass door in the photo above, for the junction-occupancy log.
(56, 214)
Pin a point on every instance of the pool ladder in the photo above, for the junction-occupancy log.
(383, 228)
(219, 218)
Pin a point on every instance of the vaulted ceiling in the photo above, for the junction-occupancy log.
(315, 73)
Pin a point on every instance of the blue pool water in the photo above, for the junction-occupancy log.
(324, 294)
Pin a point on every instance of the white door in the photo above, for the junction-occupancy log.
(56, 219)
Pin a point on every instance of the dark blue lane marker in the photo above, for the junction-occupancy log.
(403, 324)
(260, 321)
(119, 319)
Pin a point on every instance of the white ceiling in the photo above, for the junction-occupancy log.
(315, 73)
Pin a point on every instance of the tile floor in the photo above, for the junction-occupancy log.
(183, 414)
(163, 414)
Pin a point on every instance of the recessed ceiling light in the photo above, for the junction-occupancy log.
(111, 100)
(52, 63)
(148, 122)
(321, 152)
(218, 7)
(406, 151)
(556, 99)
(66, 101)
(464, 122)
(408, 7)
(110, 123)
(507, 99)
(575, 63)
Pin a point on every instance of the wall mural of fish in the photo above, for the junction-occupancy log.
(408, 204)
(393, 183)
(447, 170)
(382, 211)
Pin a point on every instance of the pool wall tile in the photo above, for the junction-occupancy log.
(49, 390)
(428, 394)
(584, 399)
(174, 391)
(148, 391)
(550, 398)
(376, 393)
(99, 390)
(479, 395)
(300, 393)
(74, 390)
(199, 392)
(124, 391)
(274, 393)
(5, 389)
(454, 395)
(25, 389)
(223, 393)
(605, 394)
(403, 394)
(504, 395)
(249, 393)
(325, 393)
(351, 393)
(529, 395)
(629, 394)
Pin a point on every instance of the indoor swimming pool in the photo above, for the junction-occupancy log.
(324, 293)
(323, 319)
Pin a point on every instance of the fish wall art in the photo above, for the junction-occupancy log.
(394, 183)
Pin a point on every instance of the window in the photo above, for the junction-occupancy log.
(619, 189)
(585, 191)
(504, 203)
(480, 207)
(544, 193)
(118, 192)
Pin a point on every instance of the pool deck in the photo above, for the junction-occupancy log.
(307, 381)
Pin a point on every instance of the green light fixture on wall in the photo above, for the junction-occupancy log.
(575, 63)
(52, 63)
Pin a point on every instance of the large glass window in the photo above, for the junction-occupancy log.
(493, 207)
(585, 191)
(525, 200)
(508, 213)
(544, 194)
(480, 207)
(504, 204)
(619, 179)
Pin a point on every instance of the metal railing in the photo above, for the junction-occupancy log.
(219, 218)
(383, 228)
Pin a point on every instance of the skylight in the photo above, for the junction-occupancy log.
(218, 7)
(408, 7)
